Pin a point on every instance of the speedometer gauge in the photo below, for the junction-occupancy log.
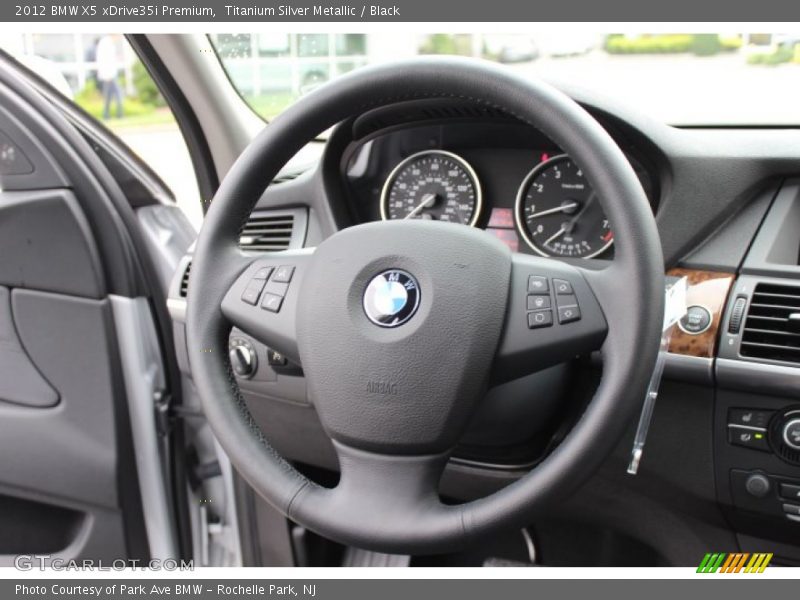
(432, 185)
(558, 213)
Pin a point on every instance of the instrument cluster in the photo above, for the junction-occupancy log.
(536, 199)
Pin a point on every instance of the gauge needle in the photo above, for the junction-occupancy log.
(555, 235)
(550, 211)
(427, 202)
(575, 219)
(570, 225)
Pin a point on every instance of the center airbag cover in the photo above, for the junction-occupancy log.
(408, 389)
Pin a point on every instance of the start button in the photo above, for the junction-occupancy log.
(696, 320)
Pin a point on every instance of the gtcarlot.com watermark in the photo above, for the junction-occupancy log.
(42, 562)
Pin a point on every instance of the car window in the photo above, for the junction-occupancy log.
(102, 74)
(681, 79)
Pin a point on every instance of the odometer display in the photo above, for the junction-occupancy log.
(432, 185)
(558, 212)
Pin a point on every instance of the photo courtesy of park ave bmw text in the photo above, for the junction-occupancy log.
(474, 299)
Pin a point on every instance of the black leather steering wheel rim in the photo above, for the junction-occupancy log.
(363, 511)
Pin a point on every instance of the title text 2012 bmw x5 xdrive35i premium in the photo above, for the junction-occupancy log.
(416, 327)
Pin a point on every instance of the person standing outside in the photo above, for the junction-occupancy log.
(108, 64)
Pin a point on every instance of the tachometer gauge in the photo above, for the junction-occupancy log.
(432, 185)
(558, 213)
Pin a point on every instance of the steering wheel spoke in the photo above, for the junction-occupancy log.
(404, 487)
(553, 315)
(262, 301)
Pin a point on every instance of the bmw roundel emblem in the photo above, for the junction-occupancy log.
(391, 298)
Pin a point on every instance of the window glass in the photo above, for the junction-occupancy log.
(681, 79)
(314, 44)
(103, 75)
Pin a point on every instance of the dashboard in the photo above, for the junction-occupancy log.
(505, 178)
(727, 205)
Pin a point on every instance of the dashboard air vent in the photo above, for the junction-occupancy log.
(772, 326)
(267, 232)
(185, 281)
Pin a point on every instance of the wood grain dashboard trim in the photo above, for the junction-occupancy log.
(709, 289)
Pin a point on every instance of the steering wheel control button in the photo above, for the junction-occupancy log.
(567, 300)
(538, 302)
(791, 434)
(568, 309)
(271, 302)
(790, 491)
(538, 285)
(263, 273)
(540, 318)
(253, 291)
(562, 287)
(748, 437)
(283, 274)
(749, 417)
(391, 298)
(757, 485)
(697, 320)
(568, 314)
(279, 289)
(250, 295)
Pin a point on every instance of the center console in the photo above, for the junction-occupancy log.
(757, 373)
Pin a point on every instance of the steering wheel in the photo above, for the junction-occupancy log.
(399, 325)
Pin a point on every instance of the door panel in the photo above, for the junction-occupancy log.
(64, 456)
(69, 485)
(47, 244)
(21, 383)
(68, 450)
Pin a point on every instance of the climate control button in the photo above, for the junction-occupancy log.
(790, 491)
(749, 417)
(749, 437)
(791, 434)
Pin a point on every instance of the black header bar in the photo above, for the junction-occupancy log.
(449, 11)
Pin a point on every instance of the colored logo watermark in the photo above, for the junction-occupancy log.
(737, 562)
